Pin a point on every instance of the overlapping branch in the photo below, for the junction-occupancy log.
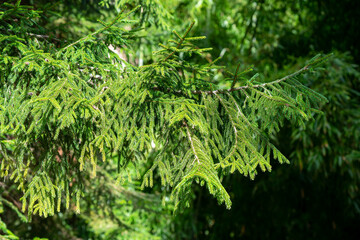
(229, 90)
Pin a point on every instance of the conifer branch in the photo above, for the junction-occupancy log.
(191, 142)
(102, 29)
(235, 77)
(182, 39)
(302, 70)
(224, 91)
(233, 125)
(44, 36)
(66, 103)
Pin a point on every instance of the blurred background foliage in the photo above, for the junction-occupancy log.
(315, 197)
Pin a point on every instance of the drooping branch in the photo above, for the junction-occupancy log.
(191, 142)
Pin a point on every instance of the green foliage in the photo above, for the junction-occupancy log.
(65, 110)
(153, 12)
(316, 196)
(7, 234)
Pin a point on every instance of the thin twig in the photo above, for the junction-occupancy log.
(191, 142)
(44, 36)
(94, 33)
(235, 77)
(222, 91)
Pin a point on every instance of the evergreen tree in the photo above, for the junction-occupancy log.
(67, 106)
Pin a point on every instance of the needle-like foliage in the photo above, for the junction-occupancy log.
(66, 107)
